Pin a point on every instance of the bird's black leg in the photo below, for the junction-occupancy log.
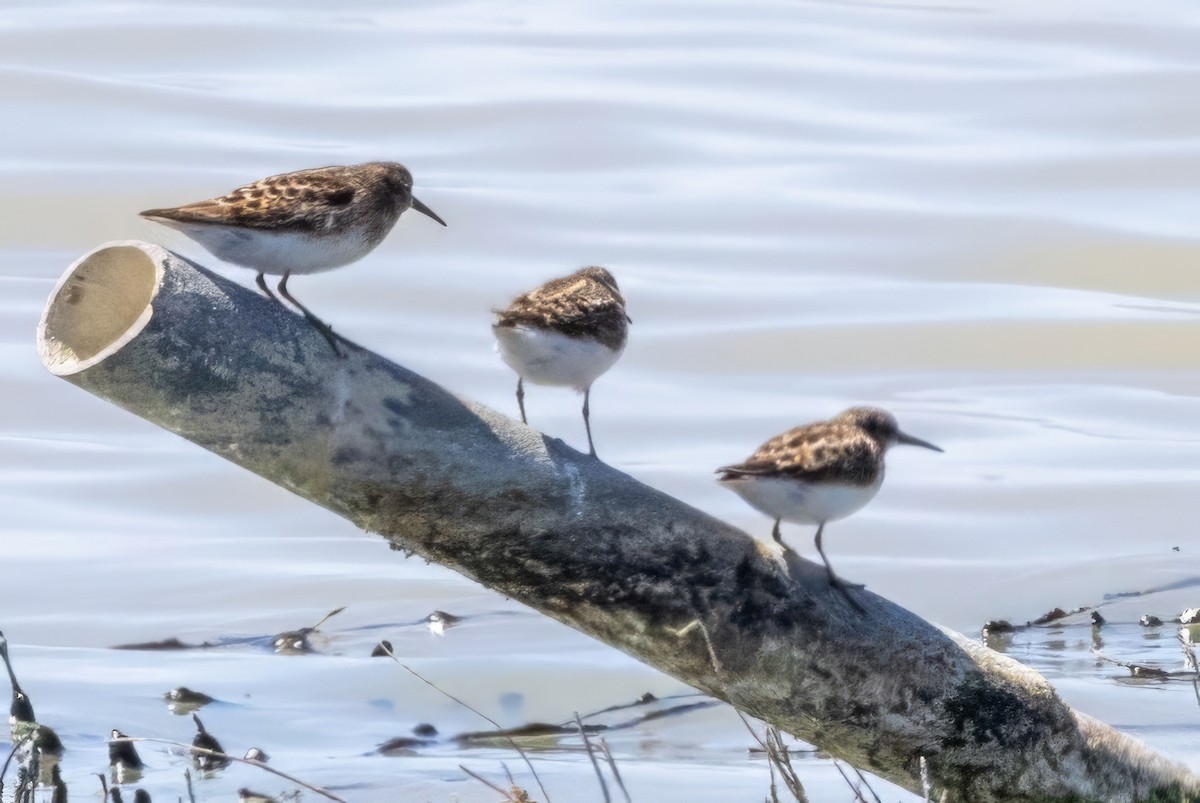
(318, 324)
(521, 398)
(776, 534)
(587, 424)
(834, 580)
(262, 285)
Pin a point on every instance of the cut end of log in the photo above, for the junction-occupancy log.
(101, 303)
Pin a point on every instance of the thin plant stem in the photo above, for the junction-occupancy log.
(1189, 659)
(327, 617)
(484, 781)
(216, 754)
(494, 723)
(12, 753)
(778, 758)
(592, 756)
(612, 765)
(774, 788)
(778, 753)
(857, 792)
(712, 653)
(865, 783)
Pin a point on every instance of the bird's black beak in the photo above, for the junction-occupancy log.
(911, 441)
(425, 210)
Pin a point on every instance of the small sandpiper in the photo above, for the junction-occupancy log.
(565, 333)
(819, 472)
(304, 222)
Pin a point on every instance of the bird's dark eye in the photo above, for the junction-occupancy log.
(341, 197)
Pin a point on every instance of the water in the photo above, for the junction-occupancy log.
(980, 215)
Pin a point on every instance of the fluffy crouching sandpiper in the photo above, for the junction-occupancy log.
(819, 472)
(565, 333)
(308, 221)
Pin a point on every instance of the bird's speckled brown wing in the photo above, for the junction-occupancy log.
(823, 452)
(307, 200)
(576, 306)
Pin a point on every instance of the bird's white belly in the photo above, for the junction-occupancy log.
(276, 253)
(801, 503)
(549, 358)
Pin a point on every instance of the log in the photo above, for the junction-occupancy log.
(578, 540)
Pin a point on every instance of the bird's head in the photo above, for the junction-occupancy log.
(399, 182)
(881, 426)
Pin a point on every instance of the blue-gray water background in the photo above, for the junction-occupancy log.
(981, 215)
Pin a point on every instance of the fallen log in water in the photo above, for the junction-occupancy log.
(476, 491)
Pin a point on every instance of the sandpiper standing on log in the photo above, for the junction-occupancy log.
(819, 472)
(565, 333)
(303, 222)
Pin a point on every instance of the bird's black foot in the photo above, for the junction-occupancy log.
(845, 589)
(838, 582)
(333, 339)
(325, 329)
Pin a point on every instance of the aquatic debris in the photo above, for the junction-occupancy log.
(213, 756)
(123, 759)
(182, 701)
(1052, 616)
(166, 644)
(403, 746)
(1136, 670)
(296, 642)
(20, 712)
(254, 754)
(440, 621)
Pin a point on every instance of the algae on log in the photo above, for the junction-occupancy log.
(466, 487)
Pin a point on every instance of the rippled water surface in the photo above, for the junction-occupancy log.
(982, 216)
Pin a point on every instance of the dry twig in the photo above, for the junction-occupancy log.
(216, 754)
(477, 713)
